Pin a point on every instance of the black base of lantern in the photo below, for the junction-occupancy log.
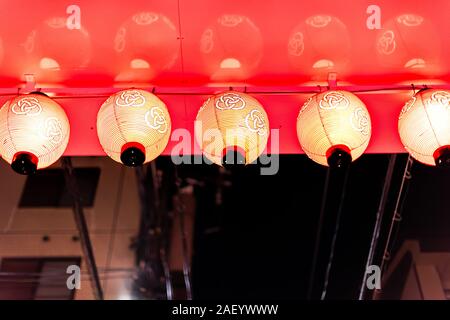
(24, 163)
(442, 157)
(40, 93)
(233, 157)
(133, 155)
(339, 158)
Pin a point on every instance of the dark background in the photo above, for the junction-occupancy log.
(255, 235)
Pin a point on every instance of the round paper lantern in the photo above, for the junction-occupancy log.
(424, 127)
(232, 128)
(54, 46)
(408, 41)
(34, 132)
(320, 43)
(147, 41)
(133, 127)
(231, 47)
(334, 128)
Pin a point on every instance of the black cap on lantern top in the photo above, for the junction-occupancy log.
(442, 156)
(133, 154)
(24, 163)
(339, 157)
(233, 157)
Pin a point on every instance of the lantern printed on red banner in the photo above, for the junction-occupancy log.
(408, 42)
(334, 128)
(424, 127)
(320, 43)
(232, 128)
(34, 132)
(231, 47)
(53, 46)
(133, 127)
(147, 41)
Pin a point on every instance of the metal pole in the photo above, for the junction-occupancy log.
(318, 235)
(379, 217)
(82, 227)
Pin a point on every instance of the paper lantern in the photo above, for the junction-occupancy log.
(334, 127)
(408, 41)
(34, 132)
(147, 41)
(231, 47)
(321, 43)
(133, 126)
(54, 46)
(232, 127)
(424, 127)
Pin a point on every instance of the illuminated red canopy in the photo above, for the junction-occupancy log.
(200, 47)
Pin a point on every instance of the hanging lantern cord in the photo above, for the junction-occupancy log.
(336, 228)
(379, 218)
(396, 218)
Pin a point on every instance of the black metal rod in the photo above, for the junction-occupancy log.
(379, 218)
(318, 235)
(341, 175)
(396, 218)
(82, 227)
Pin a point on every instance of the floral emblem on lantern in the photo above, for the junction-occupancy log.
(230, 20)
(145, 18)
(119, 40)
(155, 119)
(28, 106)
(386, 44)
(410, 20)
(319, 21)
(407, 106)
(207, 42)
(52, 130)
(254, 121)
(230, 101)
(296, 44)
(130, 98)
(440, 97)
(360, 121)
(334, 100)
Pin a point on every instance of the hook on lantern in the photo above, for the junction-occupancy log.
(334, 128)
(34, 132)
(232, 128)
(133, 127)
(424, 127)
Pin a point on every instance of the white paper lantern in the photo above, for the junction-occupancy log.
(133, 126)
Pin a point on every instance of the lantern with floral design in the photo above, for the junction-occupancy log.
(133, 127)
(334, 128)
(34, 132)
(424, 127)
(232, 128)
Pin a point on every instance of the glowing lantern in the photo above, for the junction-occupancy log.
(133, 127)
(232, 128)
(54, 46)
(408, 41)
(34, 132)
(334, 128)
(424, 127)
(231, 47)
(320, 43)
(147, 41)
